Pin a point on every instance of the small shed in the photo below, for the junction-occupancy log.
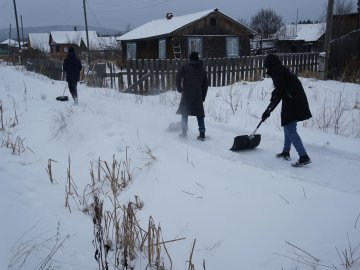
(211, 33)
(297, 38)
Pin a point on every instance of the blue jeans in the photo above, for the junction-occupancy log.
(73, 89)
(200, 120)
(292, 137)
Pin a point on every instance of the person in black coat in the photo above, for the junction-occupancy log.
(295, 107)
(72, 67)
(192, 83)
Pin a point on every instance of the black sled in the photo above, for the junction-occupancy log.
(63, 98)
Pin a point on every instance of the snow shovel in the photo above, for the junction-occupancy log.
(63, 98)
(244, 142)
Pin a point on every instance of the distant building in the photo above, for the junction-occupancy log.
(296, 38)
(60, 41)
(11, 46)
(211, 33)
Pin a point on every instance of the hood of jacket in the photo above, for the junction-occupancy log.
(271, 61)
(197, 64)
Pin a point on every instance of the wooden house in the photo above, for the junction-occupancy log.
(298, 38)
(343, 24)
(211, 33)
(60, 41)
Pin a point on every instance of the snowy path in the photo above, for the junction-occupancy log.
(346, 165)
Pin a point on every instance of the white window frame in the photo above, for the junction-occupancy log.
(162, 48)
(131, 50)
(195, 44)
(232, 46)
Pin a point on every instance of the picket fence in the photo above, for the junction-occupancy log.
(155, 76)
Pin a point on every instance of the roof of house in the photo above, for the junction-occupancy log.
(164, 26)
(12, 43)
(74, 37)
(306, 32)
(40, 41)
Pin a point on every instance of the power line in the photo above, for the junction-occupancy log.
(132, 6)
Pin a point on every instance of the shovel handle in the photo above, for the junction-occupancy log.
(252, 134)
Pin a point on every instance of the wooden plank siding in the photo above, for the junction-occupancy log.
(345, 55)
(221, 71)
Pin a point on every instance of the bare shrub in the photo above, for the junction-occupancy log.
(15, 144)
(49, 170)
(347, 255)
(218, 114)
(1, 117)
(339, 108)
(42, 251)
(232, 97)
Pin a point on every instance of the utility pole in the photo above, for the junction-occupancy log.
(22, 29)
(358, 9)
(329, 16)
(87, 34)
(17, 26)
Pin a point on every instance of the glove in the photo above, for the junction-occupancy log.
(265, 115)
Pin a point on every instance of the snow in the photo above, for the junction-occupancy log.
(306, 32)
(246, 210)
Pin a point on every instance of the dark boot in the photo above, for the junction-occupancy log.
(201, 136)
(303, 160)
(284, 155)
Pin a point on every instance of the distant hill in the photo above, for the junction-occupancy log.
(4, 33)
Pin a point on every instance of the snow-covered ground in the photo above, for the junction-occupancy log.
(246, 210)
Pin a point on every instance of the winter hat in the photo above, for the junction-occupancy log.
(71, 50)
(271, 61)
(194, 56)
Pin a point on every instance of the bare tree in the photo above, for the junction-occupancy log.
(340, 7)
(266, 22)
(344, 6)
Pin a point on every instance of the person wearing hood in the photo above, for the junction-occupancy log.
(294, 107)
(72, 67)
(192, 83)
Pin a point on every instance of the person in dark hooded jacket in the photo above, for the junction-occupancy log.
(295, 107)
(72, 67)
(192, 83)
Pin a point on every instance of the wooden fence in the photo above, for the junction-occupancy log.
(345, 57)
(154, 76)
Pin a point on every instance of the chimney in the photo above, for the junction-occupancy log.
(169, 15)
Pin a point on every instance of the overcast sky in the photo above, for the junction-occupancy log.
(121, 14)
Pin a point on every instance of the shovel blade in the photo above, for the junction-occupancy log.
(62, 98)
(244, 142)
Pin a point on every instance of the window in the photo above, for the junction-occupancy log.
(131, 50)
(162, 48)
(213, 22)
(195, 45)
(232, 47)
